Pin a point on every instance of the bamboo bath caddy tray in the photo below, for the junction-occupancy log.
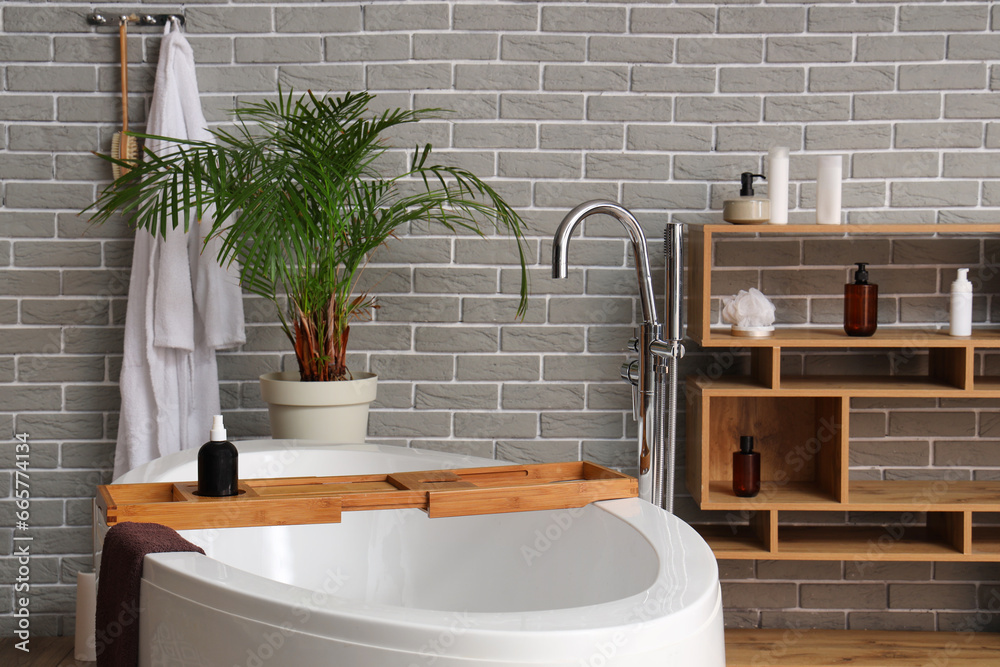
(300, 500)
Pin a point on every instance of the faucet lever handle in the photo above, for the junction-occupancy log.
(630, 373)
(635, 403)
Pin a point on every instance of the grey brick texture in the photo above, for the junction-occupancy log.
(657, 105)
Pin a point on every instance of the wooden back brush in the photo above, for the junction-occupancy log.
(123, 147)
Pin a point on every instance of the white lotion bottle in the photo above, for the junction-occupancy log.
(777, 184)
(961, 305)
(828, 189)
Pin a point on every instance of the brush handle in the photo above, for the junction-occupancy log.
(123, 45)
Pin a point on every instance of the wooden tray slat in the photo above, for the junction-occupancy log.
(306, 500)
(495, 500)
(298, 490)
(303, 481)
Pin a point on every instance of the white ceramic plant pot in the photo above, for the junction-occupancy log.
(335, 412)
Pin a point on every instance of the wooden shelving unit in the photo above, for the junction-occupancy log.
(802, 427)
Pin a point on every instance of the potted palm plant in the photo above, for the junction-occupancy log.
(301, 204)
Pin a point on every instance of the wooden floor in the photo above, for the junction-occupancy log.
(45, 652)
(744, 648)
(830, 648)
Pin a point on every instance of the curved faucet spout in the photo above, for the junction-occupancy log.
(560, 248)
(656, 366)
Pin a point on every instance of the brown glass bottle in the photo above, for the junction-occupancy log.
(860, 304)
(746, 469)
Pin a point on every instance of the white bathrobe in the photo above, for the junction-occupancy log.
(182, 306)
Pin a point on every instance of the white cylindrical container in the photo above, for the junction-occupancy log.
(777, 184)
(86, 615)
(961, 305)
(828, 178)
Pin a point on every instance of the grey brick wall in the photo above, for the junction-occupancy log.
(658, 105)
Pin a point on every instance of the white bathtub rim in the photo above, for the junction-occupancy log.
(506, 634)
(400, 632)
(572, 649)
(198, 563)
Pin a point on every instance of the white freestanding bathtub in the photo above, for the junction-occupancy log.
(618, 582)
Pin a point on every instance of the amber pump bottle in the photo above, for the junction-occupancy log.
(860, 304)
(746, 469)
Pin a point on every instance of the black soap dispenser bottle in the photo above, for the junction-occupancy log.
(860, 304)
(218, 464)
(746, 469)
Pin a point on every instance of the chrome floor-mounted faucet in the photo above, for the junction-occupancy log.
(653, 375)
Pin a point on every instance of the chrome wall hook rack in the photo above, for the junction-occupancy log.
(111, 19)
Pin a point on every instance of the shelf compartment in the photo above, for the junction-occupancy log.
(765, 366)
(987, 386)
(867, 385)
(733, 543)
(986, 542)
(952, 365)
(834, 337)
(936, 536)
(833, 385)
(726, 385)
(985, 531)
(809, 450)
(784, 496)
(863, 496)
(844, 231)
(844, 543)
(750, 535)
(939, 538)
(700, 326)
(954, 528)
(922, 495)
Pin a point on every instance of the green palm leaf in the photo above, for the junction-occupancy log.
(299, 204)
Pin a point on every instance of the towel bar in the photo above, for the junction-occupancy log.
(97, 18)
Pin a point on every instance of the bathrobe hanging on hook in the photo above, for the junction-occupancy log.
(182, 306)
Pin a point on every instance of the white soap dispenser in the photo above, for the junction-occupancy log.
(961, 305)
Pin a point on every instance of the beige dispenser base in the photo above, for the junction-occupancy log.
(746, 211)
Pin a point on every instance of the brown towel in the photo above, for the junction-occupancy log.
(125, 546)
